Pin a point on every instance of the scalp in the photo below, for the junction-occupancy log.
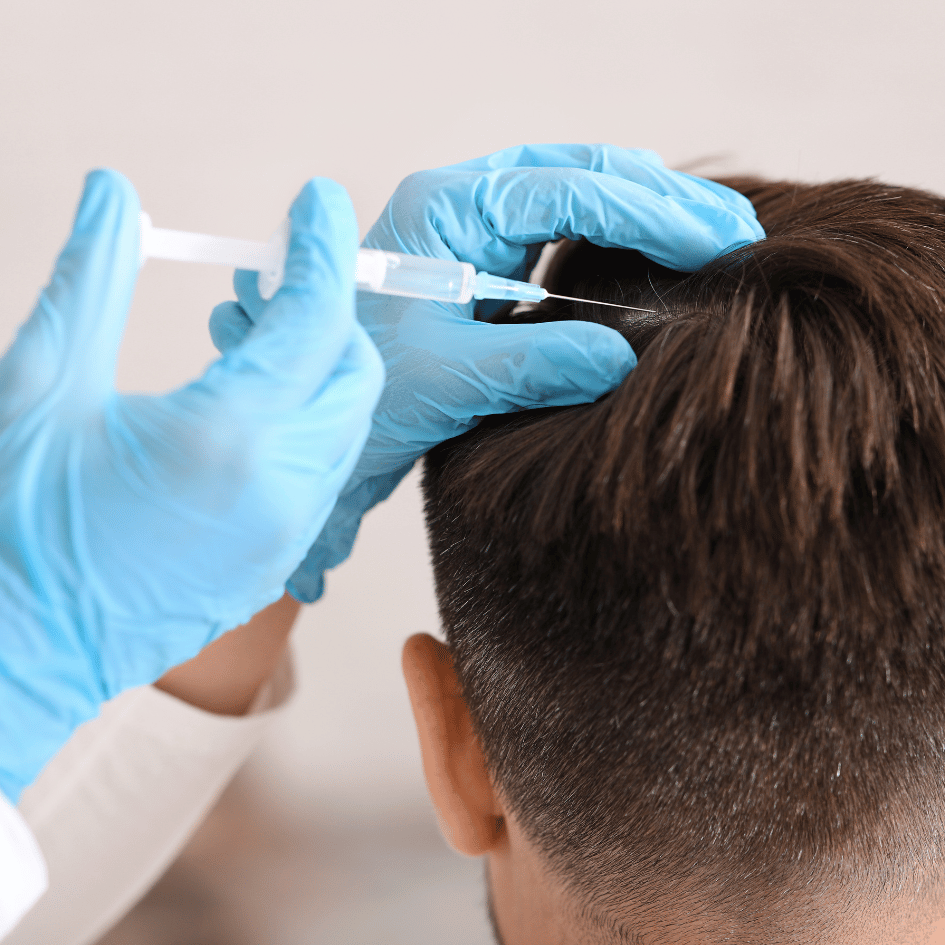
(699, 623)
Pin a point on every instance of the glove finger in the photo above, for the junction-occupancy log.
(229, 325)
(554, 364)
(479, 369)
(299, 336)
(490, 224)
(676, 231)
(74, 333)
(635, 164)
(246, 285)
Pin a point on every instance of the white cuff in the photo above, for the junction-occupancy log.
(119, 801)
(23, 876)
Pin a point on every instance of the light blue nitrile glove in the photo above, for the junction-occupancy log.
(444, 370)
(133, 529)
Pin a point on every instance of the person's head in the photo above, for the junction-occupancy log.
(693, 689)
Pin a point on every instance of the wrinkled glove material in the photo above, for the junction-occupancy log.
(134, 529)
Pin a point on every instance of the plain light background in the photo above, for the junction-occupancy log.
(219, 110)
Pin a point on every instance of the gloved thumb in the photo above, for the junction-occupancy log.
(229, 325)
(288, 350)
(552, 364)
(83, 309)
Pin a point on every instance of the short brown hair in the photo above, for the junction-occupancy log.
(699, 624)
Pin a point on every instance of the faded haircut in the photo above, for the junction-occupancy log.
(700, 623)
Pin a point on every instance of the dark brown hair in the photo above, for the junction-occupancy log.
(699, 624)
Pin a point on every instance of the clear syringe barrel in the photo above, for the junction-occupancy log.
(443, 280)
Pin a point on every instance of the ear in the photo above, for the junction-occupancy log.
(470, 814)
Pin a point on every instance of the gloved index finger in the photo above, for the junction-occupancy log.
(491, 219)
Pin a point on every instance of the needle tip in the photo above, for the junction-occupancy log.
(571, 298)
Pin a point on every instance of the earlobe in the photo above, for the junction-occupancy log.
(469, 811)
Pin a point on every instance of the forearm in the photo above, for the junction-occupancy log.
(120, 800)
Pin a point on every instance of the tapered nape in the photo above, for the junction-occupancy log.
(698, 623)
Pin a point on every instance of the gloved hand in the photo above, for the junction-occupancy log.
(134, 530)
(444, 369)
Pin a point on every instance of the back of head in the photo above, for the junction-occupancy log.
(699, 623)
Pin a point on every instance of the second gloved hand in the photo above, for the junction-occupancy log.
(444, 368)
(133, 529)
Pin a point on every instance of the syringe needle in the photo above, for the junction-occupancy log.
(570, 298)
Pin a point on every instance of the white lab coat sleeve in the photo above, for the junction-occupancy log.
(114, 808)
(23, 877)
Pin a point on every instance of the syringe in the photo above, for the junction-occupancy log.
(445, 280)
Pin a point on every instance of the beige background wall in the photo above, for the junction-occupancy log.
(218, 111)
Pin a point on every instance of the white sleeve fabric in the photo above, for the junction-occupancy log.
(23, 877)
(114, 808)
